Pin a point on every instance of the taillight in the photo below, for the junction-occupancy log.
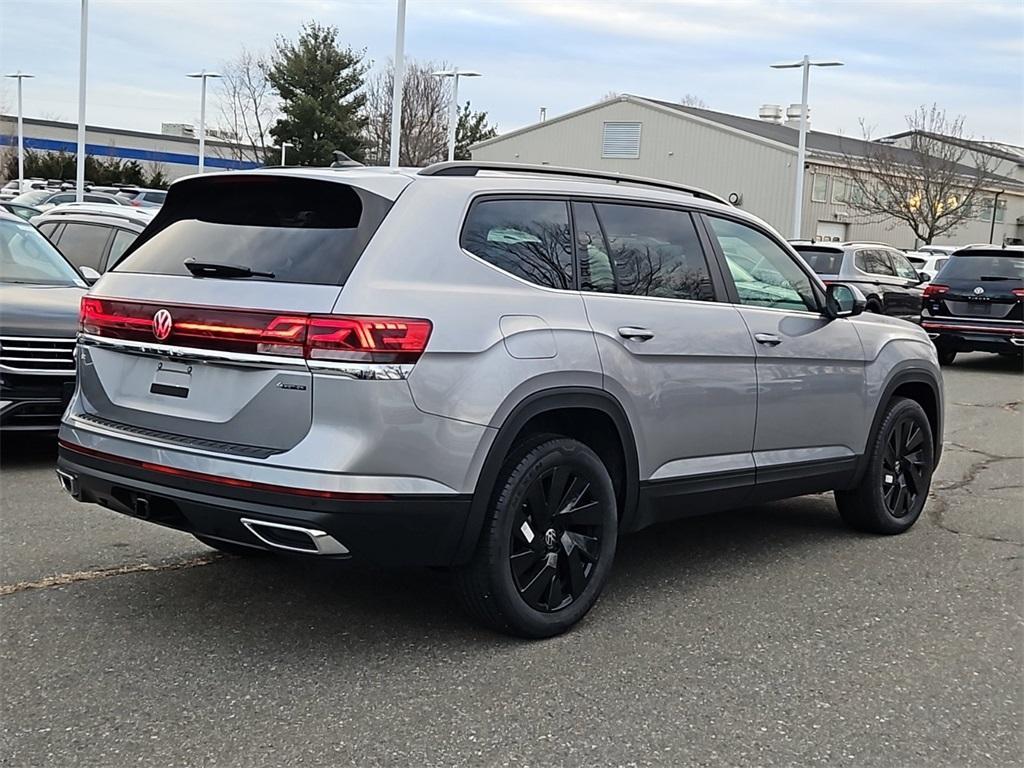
(934, 289)
(367, 339)
(1019, 293)
(321, 337)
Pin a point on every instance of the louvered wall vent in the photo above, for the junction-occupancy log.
(621, 140)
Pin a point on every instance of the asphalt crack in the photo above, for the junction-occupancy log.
(96, 574)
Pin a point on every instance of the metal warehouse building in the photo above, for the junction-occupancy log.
(748, 160)
(175, 156)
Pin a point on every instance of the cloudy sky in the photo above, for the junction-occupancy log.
(966, 56)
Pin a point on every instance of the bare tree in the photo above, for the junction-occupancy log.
(424, 115)
(247, 107)
(932, 184)
(690, 100)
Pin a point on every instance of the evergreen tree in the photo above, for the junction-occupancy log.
(471, 128)
(318, 82)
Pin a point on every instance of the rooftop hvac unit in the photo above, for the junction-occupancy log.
(793, 115)
(770, 113)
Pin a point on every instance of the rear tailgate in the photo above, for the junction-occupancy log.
(220, 363)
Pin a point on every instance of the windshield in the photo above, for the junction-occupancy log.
(33, 197)
(28, 257)
(983, 266)
(823, 261)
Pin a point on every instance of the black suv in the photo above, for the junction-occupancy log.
(976, 303)
(887, 279)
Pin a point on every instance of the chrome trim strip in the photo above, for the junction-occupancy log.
(977, 328)
(361, 371)
(214, 356)
(63, 340)
(322, 542)
(1017, 342)
(967, 319)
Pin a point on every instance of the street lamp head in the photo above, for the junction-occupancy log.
(798, 64)
(19, 75)
(203, 74)
(456, 73)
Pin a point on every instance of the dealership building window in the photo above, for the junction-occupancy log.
(839, 190)
(985, 210)
(819, 189)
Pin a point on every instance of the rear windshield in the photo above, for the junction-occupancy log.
(298, 230)
(824, 262)
(983, 266)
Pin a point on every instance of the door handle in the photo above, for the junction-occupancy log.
(768, 339)
(636, 334)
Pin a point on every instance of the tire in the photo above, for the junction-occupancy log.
(873, 307)
(230, 548)
(946, 356)
(535, 574)
(894, 487)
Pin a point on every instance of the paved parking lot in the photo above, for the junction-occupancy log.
(768, 637)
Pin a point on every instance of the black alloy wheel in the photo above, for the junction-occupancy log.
(893, 487)
(903, 467)
(548, 542)
(555, 541)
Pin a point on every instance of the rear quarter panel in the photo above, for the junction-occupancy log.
(495, 339)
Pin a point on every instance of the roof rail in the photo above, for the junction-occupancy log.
(471, 168)
(110, 210)
(867, 242)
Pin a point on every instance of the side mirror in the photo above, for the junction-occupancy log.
(923, 277)
(842, 300)
(90, 275)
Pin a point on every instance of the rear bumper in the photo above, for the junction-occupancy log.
(386, 530)
(962, 336)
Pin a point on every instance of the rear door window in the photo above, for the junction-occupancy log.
(122, 239)
(298, 230)
(84, 244)
(526, 238)
(48, 230)
(655, 252)
(874, 263)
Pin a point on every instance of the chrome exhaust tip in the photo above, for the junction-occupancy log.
(294, 538)
(69, 483)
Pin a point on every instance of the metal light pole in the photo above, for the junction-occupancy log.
(204, 76)
(80, 166)
(801, 153)
(396, 95)
(453, 105)
(284, 146)
(19, 76)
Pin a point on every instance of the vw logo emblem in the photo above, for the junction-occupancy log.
(162, 324)
(550, 537)
(978, 291)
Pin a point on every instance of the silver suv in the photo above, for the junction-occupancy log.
(493, 368)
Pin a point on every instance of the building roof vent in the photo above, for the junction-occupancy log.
(620, 140)
(770, 113)
(793, 116)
